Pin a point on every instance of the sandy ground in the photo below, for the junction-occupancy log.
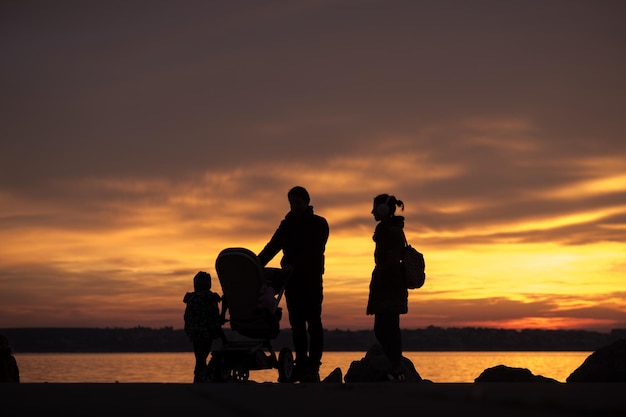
(321, 399)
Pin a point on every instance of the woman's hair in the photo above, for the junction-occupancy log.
(390, 201)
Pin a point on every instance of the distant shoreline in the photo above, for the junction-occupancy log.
(429, 339)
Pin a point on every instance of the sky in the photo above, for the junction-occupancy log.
(139, 139)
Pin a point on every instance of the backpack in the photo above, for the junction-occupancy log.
(202, 316)
(414, 266)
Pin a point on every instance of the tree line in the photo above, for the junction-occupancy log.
(432, 338)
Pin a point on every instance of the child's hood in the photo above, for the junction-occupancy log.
(204, 293)
(188, 296)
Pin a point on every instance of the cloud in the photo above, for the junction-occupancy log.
(142, 138)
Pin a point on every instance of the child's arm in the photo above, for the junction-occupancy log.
(224, 308)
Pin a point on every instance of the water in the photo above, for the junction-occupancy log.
(178, 367)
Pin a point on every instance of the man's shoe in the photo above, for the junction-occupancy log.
(308, 372)
(310, 375)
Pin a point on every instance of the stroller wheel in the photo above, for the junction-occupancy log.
(241, 374)
(285, 366)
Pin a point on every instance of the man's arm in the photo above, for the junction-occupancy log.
(272, 247)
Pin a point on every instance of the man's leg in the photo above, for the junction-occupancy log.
(316, 335)
(297, 321)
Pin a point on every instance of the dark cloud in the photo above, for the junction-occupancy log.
(136, 90)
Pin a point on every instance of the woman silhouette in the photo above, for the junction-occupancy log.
(388, 296)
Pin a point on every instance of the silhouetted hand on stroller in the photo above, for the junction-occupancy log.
(224, 310)
(287, 268)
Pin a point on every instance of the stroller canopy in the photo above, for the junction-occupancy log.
(243, 278)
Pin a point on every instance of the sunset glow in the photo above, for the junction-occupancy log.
(138, 144)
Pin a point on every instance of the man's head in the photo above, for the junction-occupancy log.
(298, 199)
(299, 192)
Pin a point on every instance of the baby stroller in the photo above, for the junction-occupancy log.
(245, 283)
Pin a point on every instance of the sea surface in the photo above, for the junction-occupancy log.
(178, 367)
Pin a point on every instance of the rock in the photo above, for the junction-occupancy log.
(375, 366)
(335, 376)
(503, 373)
(607, 364)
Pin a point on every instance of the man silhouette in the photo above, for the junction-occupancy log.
(302, 236)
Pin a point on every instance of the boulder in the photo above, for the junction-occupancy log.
(503, 373)
(334, 377)
(375, 366)
(607, 364)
